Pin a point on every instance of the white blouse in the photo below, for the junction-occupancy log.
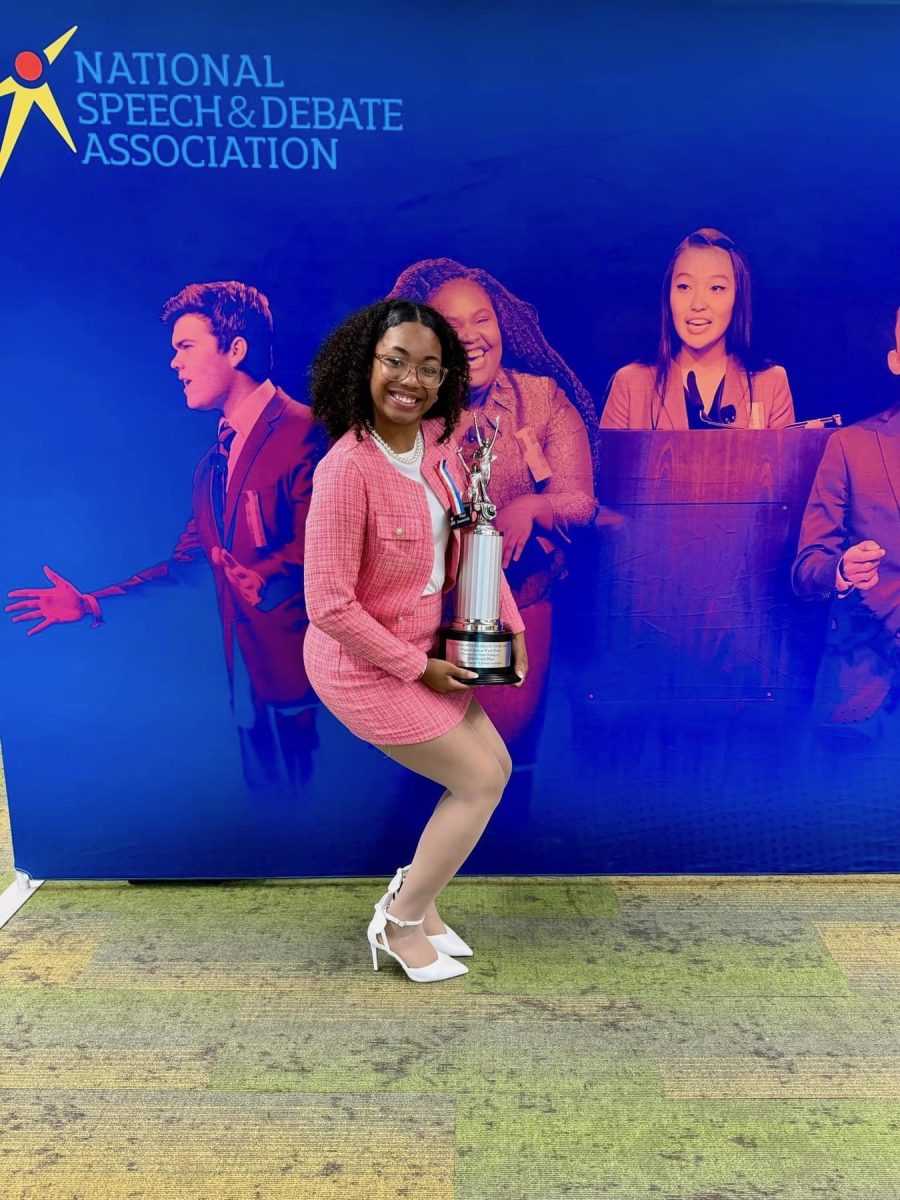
(440, 521)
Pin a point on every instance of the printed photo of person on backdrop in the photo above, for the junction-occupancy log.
(704, 376)
(849, 554)
(251, 494)
(542, 480)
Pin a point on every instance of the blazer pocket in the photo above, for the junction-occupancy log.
(397, 533)
(268, 518)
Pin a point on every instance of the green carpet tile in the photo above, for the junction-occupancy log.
(616, 1039)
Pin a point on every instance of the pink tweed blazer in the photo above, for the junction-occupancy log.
(369, 550)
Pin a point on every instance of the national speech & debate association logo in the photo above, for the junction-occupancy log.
(28, 87)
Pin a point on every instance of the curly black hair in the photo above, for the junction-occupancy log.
(339, 375)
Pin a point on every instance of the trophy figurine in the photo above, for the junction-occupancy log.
(476, 638)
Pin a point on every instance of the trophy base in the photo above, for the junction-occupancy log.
(489, 655)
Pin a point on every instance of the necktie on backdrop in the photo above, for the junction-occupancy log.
(219, 463)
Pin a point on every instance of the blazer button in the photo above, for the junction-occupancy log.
(399, 531)
(404, 618)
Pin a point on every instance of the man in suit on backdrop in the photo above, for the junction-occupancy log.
(849, 552)
(251, 495)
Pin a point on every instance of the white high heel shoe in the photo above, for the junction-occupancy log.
(448, 942)
(443, 966)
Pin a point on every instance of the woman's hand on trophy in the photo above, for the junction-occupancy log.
(520, 658)
(442, 676)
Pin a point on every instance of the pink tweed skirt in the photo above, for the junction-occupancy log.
(375, 705)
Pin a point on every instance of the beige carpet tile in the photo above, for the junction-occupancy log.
(49, 959)
(867, 952)
(34, 1066)
(334, 1180)
(214, 1146)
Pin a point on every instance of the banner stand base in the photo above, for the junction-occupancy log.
(16, 895)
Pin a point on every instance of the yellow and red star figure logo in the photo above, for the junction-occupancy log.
(28, 87)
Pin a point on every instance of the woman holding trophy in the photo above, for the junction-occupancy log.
(382, 546)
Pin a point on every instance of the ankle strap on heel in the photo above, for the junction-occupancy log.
(396, 920)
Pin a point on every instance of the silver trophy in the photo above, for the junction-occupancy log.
(476, 638)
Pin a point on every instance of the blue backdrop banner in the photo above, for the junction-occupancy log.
(692, 705)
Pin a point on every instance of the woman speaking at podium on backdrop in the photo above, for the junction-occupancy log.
(389, 386)
(704, 376)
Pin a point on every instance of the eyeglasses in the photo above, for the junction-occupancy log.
(395, 370)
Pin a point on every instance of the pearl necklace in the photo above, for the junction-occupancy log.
(409, 458)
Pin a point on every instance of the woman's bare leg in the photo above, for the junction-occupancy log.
(486, 730)
(466, 762)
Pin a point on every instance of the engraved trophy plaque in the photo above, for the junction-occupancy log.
(476, 638)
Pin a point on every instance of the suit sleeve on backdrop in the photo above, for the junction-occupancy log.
(570, 488)
(823, 533)
(615, 414)
(281, 570)
(781, 410)
(179, 568)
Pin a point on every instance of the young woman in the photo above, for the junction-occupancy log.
(542, 481)
(389, 385)
(704, 377)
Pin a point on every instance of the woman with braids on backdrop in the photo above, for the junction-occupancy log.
(704, 376)
(542, 481)
(389, 386)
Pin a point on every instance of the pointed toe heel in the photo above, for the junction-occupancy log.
(443, 966)
(450, 943)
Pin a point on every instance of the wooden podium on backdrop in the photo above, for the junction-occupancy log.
(690, 596)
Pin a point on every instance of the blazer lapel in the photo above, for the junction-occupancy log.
(203, 501)
(254, 443)
(889, 445)
(435, 454)
(672, 414)
(735, 393)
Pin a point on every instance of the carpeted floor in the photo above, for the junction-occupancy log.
(629, 1039)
